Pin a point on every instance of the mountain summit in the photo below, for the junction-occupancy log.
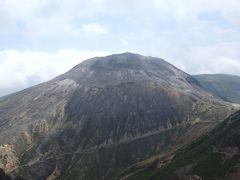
(103, 116)
(126, 67)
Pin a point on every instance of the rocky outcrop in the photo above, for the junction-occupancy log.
(8, 158)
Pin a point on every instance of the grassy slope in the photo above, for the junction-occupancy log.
(225, 86)
(209, 157)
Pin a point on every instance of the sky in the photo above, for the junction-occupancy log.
(40, 39)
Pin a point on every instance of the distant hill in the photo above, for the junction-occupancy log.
(225, 86)
(215, 155)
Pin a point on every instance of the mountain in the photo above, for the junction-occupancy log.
(222, 85)
(103, 116)
(215, 155)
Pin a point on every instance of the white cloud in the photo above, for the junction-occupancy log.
(21, 69)
(217, 58)
(57, 15)
(94, 28)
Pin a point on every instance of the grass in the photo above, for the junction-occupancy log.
(203, 160)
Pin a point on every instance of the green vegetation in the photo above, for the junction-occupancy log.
(225, 86)
(205, 157)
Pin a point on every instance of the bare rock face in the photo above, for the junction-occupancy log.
(104, 115)
(8, 158)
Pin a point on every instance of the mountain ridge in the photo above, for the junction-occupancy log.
(225, 86)
(215, 155)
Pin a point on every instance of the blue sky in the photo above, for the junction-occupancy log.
(40, 39)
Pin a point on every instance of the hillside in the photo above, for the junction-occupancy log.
(102, 116)
(215, 155)
(225, 86)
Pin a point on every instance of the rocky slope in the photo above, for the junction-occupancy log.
(102, 116)
(215, 155)
(222, 85)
